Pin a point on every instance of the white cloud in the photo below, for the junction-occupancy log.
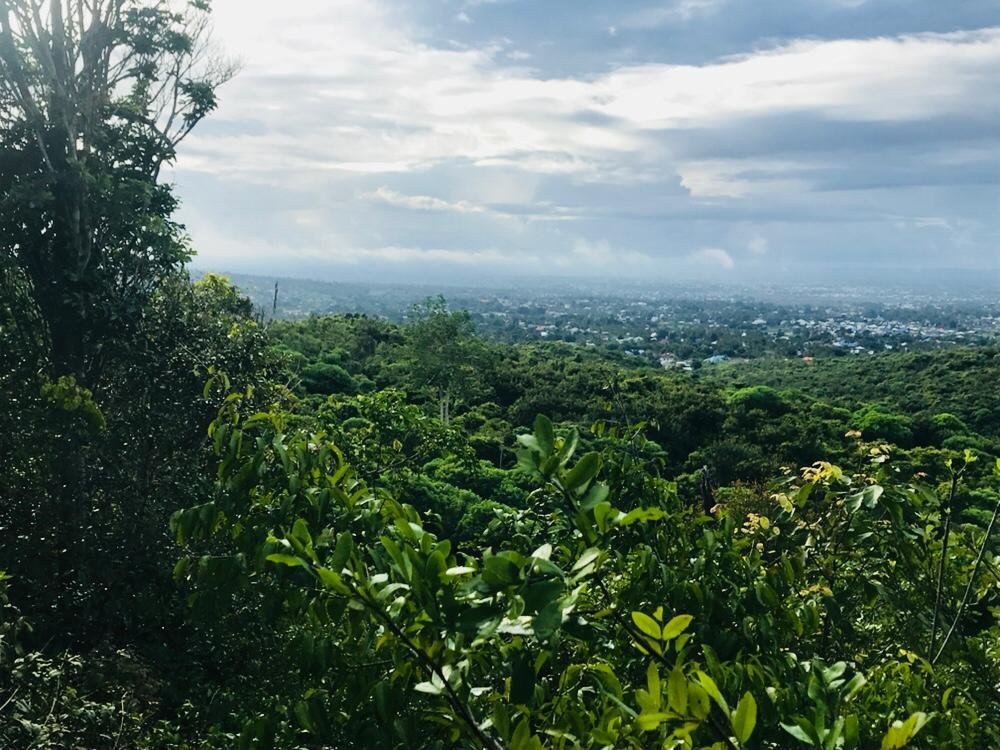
(238, 253)
(390, 197)
(537, 211)
(345, 87)
(924, 222)
(758, 246)
(340, 97)
(715, 257)
(739, 178)
(881, 79)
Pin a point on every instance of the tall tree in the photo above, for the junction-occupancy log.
(446, 357)
(95, 96)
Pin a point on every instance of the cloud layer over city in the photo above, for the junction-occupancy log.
(645, 139)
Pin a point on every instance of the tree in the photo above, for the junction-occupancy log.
(446, 356)
(95, 96)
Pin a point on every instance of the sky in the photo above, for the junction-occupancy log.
(464, 140)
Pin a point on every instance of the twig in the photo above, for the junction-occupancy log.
(459, 706)
(968, 587)
(944, 554)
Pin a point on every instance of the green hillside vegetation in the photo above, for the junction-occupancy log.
(918, 385)
(341, 533)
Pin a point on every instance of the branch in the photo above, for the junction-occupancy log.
(944, 554)
(457, 704)
(968, 587)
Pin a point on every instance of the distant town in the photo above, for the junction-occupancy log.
(674, 327)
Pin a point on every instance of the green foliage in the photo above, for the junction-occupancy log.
(371, 556)
(759, 397)
(593, 624)
(442, 354)
(877, 424)
(83, 215)
(328, 376)
(65, 396)
(358, 572)
(913, 384)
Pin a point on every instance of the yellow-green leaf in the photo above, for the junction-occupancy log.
(901, 732)
(745, 717)
(676, 626)
(713, 690)
(650, 722)
(647, 625)
(677, 691)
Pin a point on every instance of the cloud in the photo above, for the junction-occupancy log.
(882, 79)
(925, 222)
(376, 100)
(677, 11)
(757, 246)
(354, 126)
(390, 197)
(714, 257)
(600, 254)
(537, 211)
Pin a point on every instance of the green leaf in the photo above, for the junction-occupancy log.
(854, 685)
(543, 553)
(584, 565)
(548, 620)
(428, 687)
(605, 516)
(676, 626)
(647, 625)
(596, 495)
(650, 722)
(653, 682)
(745, 717)
(342, 551)
(699, 703)
(798, 731)
(289, 560)
(569, 447)
(383, 701)
(901, 732)
(852, 736)
(544, 433)
(677, 691)
(300, 530)
(530, 442)
(713, 691)
(641, 515)
(332, 580)
(585, 470)
(500, 571)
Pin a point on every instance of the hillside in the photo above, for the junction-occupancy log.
(959, 381)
